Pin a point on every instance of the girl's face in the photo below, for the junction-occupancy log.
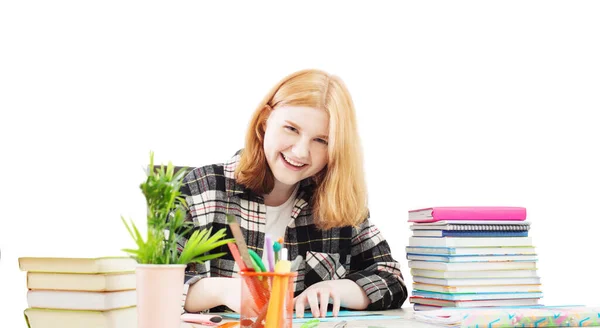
(295, 143)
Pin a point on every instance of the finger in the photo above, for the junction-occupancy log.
(300, 305)
(313, 302)
(324, 301)
(336, 304)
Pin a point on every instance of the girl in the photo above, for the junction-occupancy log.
(300, 177)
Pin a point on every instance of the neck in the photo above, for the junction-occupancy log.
(279, 194)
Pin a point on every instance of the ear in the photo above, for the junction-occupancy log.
(264, 116)
(261, 125)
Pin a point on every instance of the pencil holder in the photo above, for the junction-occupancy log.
(267, 299)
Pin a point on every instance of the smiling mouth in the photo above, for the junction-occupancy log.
(291, 162)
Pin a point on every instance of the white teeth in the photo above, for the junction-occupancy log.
(292, 162)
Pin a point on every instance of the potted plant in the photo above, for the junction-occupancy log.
(161, 265)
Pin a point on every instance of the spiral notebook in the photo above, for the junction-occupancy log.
(472, 226)
(468, 233)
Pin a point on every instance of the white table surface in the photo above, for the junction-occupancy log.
(405, 321)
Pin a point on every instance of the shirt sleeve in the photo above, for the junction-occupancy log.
(374, 270)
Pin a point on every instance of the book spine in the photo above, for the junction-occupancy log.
(452, 242)
(479, 213)
(472, 233)
(487, 227)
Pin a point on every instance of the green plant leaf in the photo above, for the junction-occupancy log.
(167, 223)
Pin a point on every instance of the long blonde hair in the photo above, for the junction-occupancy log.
(340, 197)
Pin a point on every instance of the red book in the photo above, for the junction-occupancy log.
(467, 213)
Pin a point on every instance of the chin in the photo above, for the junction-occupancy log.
(286, 180)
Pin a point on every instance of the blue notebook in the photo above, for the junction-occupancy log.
(468, 233)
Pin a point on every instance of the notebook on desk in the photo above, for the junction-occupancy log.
(348, 315)
(469, 242)
(341, 313)
(468, 233)
(77, 265)
(473, 225)
(496, 213)
(513, 317)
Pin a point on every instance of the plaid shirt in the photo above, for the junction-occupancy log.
(359, 254)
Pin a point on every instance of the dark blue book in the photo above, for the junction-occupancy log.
(468, 233)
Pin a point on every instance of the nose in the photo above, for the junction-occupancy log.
(301, 149)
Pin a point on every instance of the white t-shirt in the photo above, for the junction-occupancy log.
(278, 218)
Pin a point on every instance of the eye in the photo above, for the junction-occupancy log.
(323, 141)
(291, 128)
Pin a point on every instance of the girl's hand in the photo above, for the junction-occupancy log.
(318, 296)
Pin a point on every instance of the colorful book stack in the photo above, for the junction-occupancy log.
(472, 257)
(80, 292)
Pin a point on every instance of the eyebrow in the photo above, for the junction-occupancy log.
(322, 136)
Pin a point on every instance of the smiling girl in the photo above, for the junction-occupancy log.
(300, 176)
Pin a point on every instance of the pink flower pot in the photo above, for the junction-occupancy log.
(159, 295)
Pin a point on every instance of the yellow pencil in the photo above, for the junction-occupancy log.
(275, 311)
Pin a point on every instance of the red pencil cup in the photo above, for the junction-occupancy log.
(267, 299)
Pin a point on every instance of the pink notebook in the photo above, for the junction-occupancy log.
(467, 213)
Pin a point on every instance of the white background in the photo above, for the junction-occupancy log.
(459, 103)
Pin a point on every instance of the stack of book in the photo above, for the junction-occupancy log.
(472, 257)
(80, 292)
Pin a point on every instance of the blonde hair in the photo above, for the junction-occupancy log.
(340, 197)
